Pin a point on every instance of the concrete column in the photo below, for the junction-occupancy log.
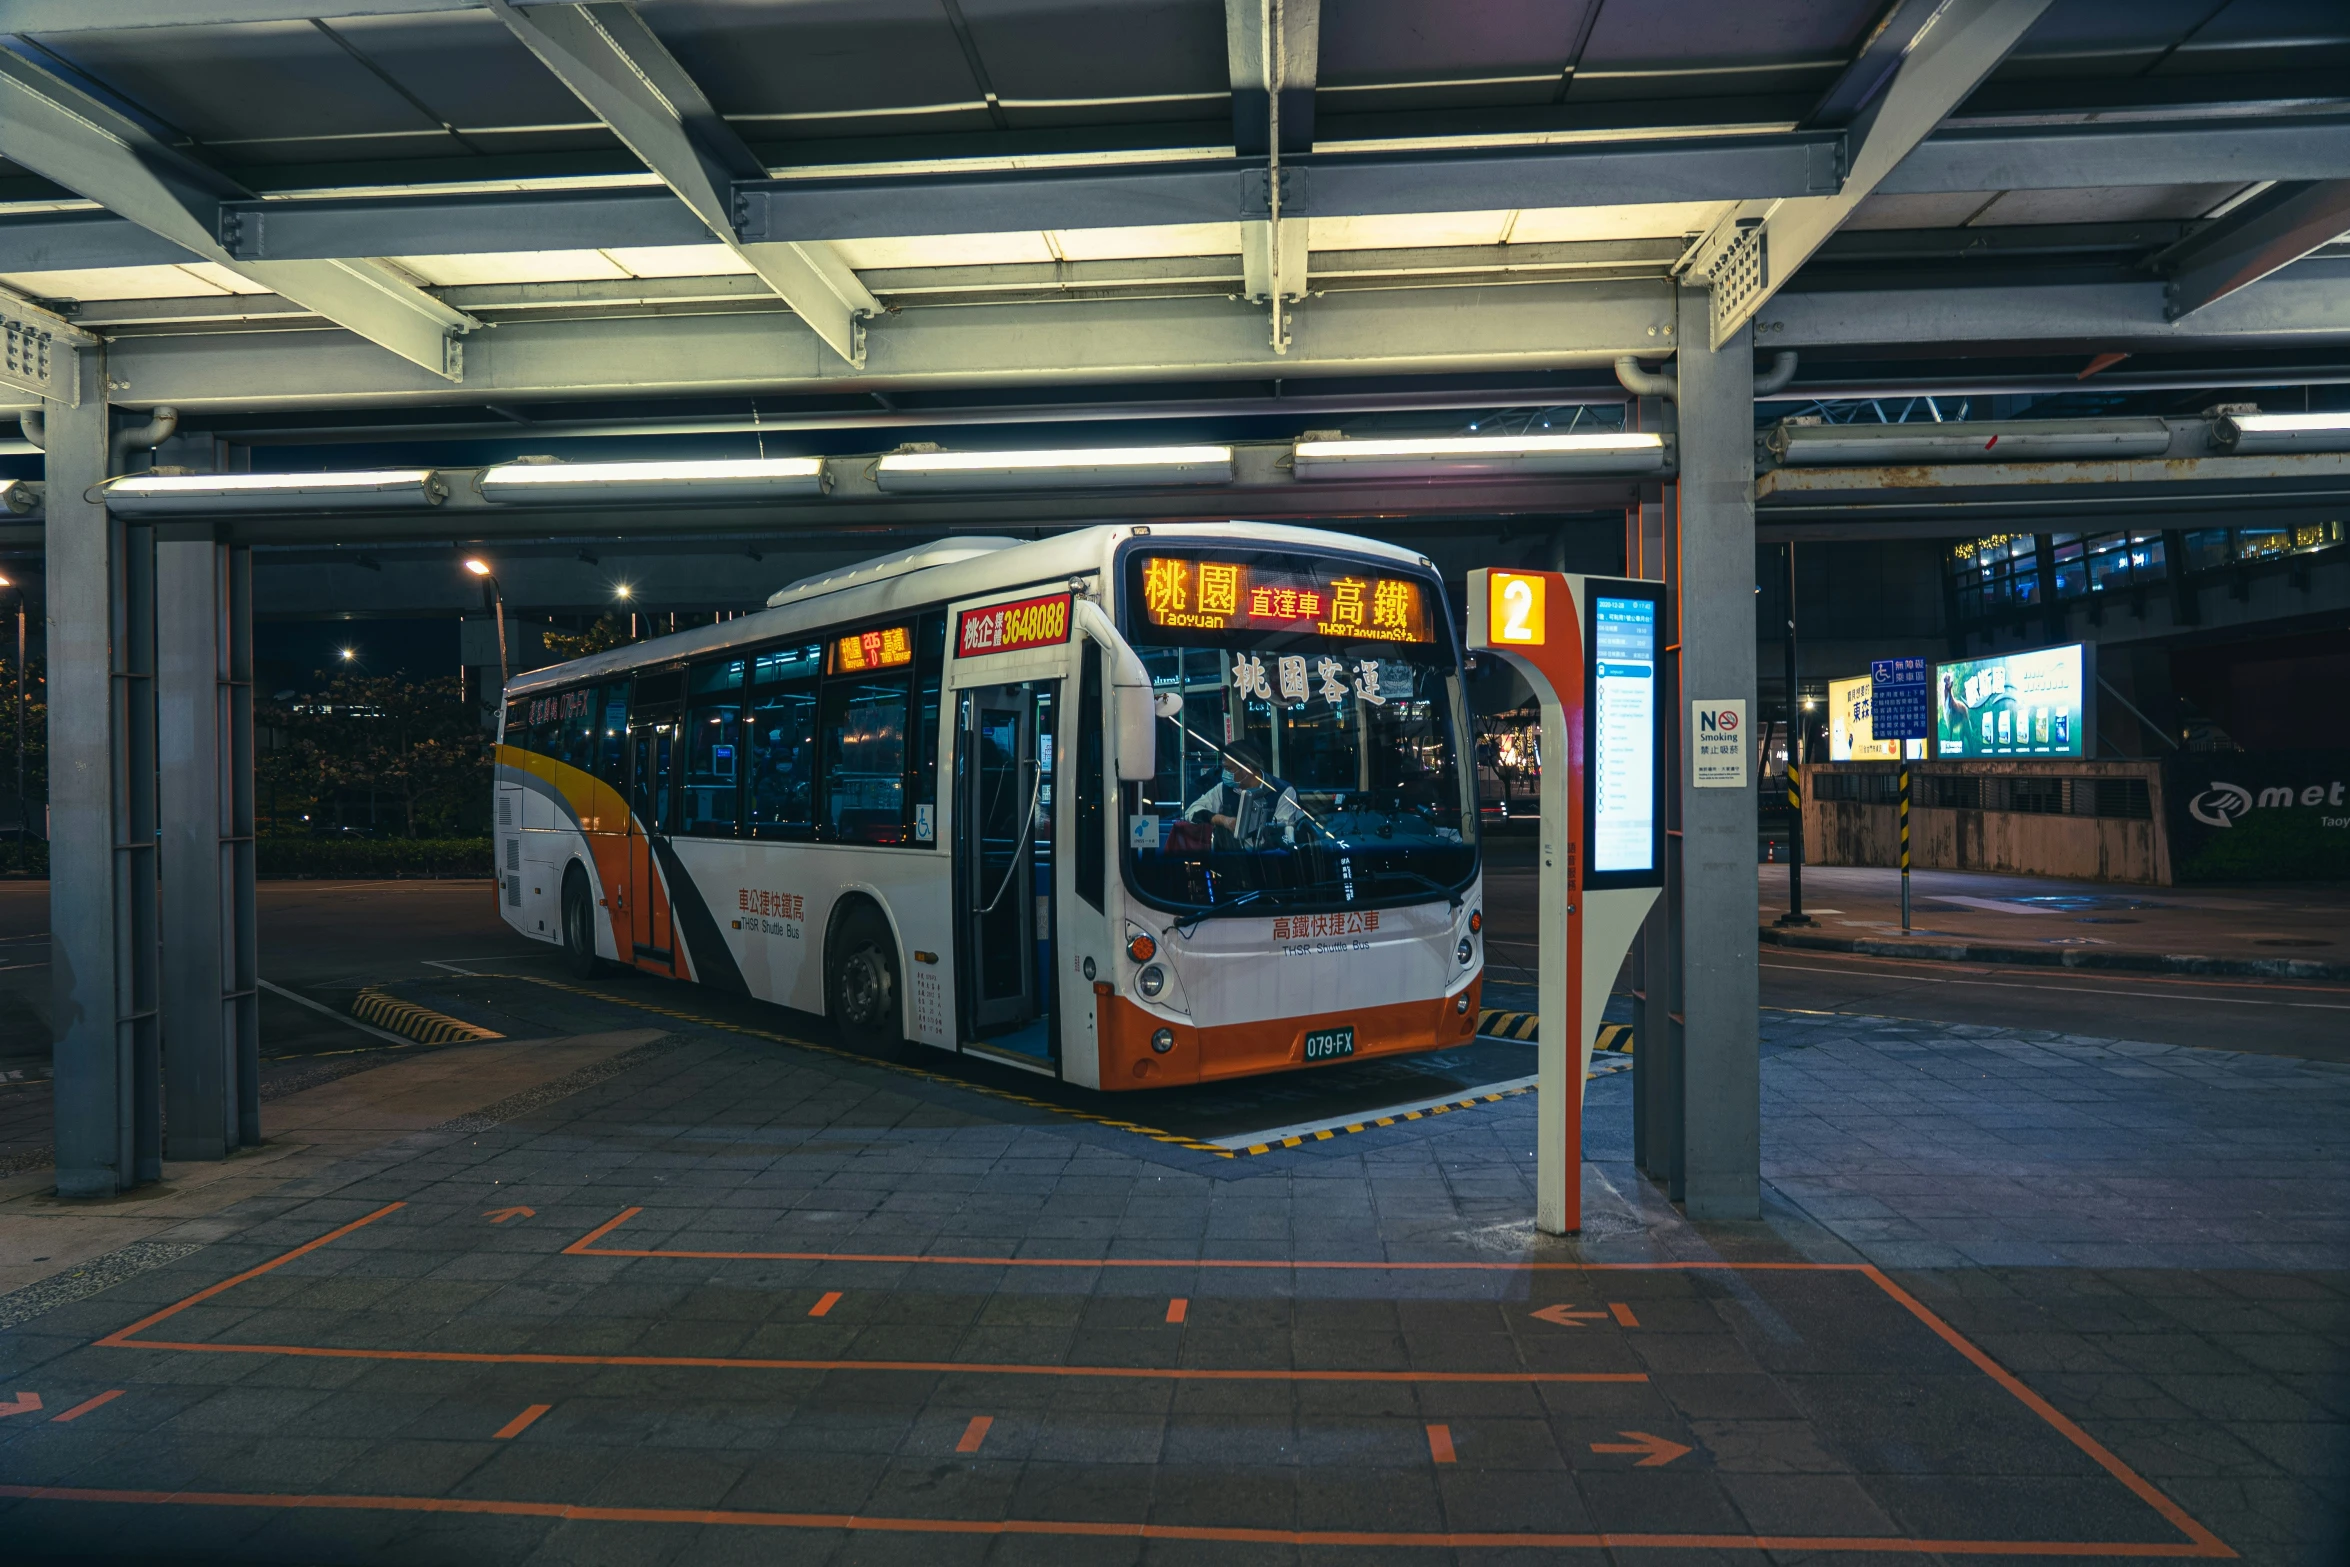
(102, 891)
(1721, 1114)
(203, 687)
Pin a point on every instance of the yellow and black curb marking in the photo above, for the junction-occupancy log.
(1329, 1132)
(411, 1021)
(1614, 1038)
(1172, 1139)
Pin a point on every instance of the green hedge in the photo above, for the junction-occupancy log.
(459, 857)
(360, 857)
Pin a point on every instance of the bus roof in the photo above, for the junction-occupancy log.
(873, 589)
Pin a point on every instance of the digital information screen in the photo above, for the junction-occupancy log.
(1623, 735)
(884, 647)
(1315, 598)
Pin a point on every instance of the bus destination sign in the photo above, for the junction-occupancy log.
(883, 647)
(1330, 599)
(1007, 628)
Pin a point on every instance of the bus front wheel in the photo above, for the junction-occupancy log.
(579, 927)
(861, 981)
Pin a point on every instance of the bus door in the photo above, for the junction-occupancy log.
(1005, 894)
(652, 739)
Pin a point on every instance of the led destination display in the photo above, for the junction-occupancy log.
(1325, 598)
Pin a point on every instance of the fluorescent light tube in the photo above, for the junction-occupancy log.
(385, 489)
(1060, 470)
(721, 479)
(1598, 453)
(2252, 433)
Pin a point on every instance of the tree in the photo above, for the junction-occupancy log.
(414, 748)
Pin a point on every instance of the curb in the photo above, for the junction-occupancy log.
(422, 1024)
(2059, 957)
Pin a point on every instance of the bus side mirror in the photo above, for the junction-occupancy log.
(1138, 734)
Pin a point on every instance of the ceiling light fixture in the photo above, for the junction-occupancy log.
(915, 470)
(2250, 433)
(1628, 452)
(595, 483)
(379, 489)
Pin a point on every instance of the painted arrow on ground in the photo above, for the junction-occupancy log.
(501, 1215)
(1564, 1311)
(1658, 1450)
(26, 1403)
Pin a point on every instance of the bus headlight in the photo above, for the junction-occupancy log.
(1466, 950)
(1460, 1004)
(1151, 980)
(1163, 1041)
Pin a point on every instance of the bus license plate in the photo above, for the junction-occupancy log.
(1330, 1043)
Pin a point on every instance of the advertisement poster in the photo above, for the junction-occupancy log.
(2015, 704)
(1849, 736)
(2258, 815)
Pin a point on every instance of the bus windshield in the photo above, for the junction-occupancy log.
(1308, 737)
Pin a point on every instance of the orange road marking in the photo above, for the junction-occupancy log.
(25, 1404)
(586, 1246)
(1566, 1316)
(1623, 1314)
(2176, 1515)
(704, 1516)
(1440, 1444)
(824, 1303)
(974, 1433)
(1178, 1309)
(1656, 1450)
(2201, 1542)
(202, 1295)
(86, 1405)
(520, 1423)
(501, 1215)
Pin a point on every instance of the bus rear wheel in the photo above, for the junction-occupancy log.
(861, 981)
(579, 926)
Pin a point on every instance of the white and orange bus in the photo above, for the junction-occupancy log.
(1130, 806)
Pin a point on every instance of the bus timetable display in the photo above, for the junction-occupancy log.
(1327, 598)
(1623, 735)
(2014, 704)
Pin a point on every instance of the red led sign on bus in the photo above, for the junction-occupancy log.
(1330, 600)
(1007, 628)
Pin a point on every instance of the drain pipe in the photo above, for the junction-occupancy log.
(1666, 384)
(153, 434)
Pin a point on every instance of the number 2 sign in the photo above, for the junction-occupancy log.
(1514, 606)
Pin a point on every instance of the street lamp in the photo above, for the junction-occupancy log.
(497, 603)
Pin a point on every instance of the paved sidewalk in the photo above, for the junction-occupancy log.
(2297, 930)
(765, 1303)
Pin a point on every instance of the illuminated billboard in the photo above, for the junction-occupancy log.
(1850, 739)
(2016, 704)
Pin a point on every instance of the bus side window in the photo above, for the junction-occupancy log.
(1087, 785)
(865, 759)
(930, 645)
(713, 739)
(782, 741)
(611, 741)
(577, 728)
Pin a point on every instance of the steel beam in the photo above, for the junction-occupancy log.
(1273, 49)
(2095, 157)
(1752, 253)
(106, 16)
(621, 71)
(204, 731)
(2266, 234)
(103, 952)
(1720, 973)
(65, 135)
(1543, 326)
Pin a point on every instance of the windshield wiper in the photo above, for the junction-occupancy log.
(1184, 928)
(1450, 895)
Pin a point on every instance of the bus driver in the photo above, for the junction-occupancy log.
(1235, 800)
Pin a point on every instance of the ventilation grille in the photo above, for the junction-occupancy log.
(514, 892)
(514, 854)
(505, 810)
(1739, 279)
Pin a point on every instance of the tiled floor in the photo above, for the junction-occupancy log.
(720, 1406)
